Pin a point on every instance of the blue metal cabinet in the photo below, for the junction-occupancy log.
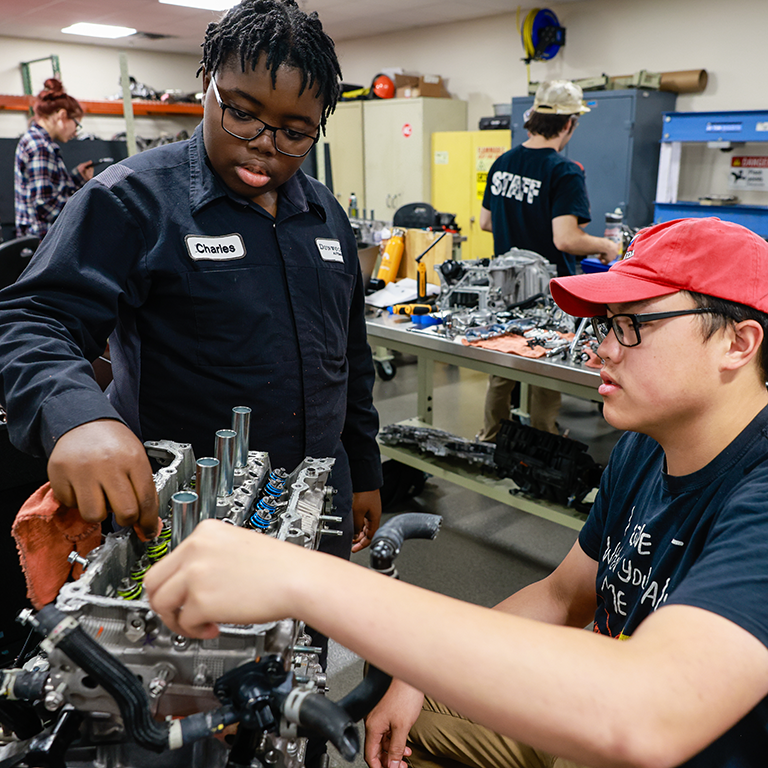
(617, 142)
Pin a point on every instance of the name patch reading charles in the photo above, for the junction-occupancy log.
(215, 247)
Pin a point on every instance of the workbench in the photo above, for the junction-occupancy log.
(428, 348)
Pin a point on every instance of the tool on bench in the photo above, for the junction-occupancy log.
(421, 306)
(411, 309)
(421, 270)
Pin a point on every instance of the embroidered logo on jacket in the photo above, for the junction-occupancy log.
(215, 247)
(330, 250)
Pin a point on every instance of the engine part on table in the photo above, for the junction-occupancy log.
(539, 312)
(439, 443)
(493, 285)
(546, 466)
(583, 343)
(111, 672)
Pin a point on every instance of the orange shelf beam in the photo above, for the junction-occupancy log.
(140, 108)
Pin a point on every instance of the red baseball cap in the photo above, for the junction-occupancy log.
(710, 256)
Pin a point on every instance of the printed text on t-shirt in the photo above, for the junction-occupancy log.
(514, 185)
(629, 578)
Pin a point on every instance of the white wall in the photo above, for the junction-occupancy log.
(481, 59)
(92, 73)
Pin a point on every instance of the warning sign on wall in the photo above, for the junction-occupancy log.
(748, 173)
(483, 162)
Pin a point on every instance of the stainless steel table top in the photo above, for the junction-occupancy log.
(554, 373)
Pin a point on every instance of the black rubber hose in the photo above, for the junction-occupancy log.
(30, 685)
(526, 303)
(111, 674)
(366, 695)
(386, 542)
(243, 747)
(203, 724)
(321, 715)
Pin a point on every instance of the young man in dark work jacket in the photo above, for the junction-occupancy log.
(222, 275)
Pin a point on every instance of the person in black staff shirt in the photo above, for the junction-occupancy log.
(536, 199)
(222, 275)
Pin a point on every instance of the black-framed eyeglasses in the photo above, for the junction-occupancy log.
(78, 126)
(245, 126)
(626, 328)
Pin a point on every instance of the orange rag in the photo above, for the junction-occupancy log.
(46, 532)
(593, 361)
(513, 344)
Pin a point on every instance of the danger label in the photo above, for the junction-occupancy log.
(749, 162)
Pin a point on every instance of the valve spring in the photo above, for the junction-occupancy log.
(139, 571)
(264, 513)
(167, 531)
(156, 550)
(129, 589)
(275, 482)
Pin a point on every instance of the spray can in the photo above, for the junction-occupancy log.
(393, 253)
(613, 228)
(352, 212)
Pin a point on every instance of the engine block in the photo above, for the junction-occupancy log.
(178, 674)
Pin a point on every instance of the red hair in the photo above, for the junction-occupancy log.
(52, 98)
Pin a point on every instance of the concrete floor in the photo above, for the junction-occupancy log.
(485, 550)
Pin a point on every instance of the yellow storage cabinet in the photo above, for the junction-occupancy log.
(460, 164)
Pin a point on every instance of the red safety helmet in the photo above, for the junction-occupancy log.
(383, 87)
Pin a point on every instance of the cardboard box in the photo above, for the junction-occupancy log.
(406, 81)
(416, 242)
(414, 86)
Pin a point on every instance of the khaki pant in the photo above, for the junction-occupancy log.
(442, 738)
(544, 406)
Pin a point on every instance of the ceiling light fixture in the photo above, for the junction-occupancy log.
(203, 5)
(98, 30)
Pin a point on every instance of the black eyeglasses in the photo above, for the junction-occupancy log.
(78, 127)
(245, 126)
(627, 327)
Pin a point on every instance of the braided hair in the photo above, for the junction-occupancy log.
(286, 35)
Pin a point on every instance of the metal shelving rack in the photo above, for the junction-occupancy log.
(718, 130)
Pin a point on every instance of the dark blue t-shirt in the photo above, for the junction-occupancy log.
(698, 540)
(526, 189)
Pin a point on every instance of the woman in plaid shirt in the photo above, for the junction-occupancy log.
(42, 182)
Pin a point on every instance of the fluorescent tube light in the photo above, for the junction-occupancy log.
(203, 5)
(98, 30)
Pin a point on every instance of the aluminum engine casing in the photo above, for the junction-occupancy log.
(496, 284)
(178, 672)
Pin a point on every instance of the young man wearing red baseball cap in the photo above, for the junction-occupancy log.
(673, 559)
